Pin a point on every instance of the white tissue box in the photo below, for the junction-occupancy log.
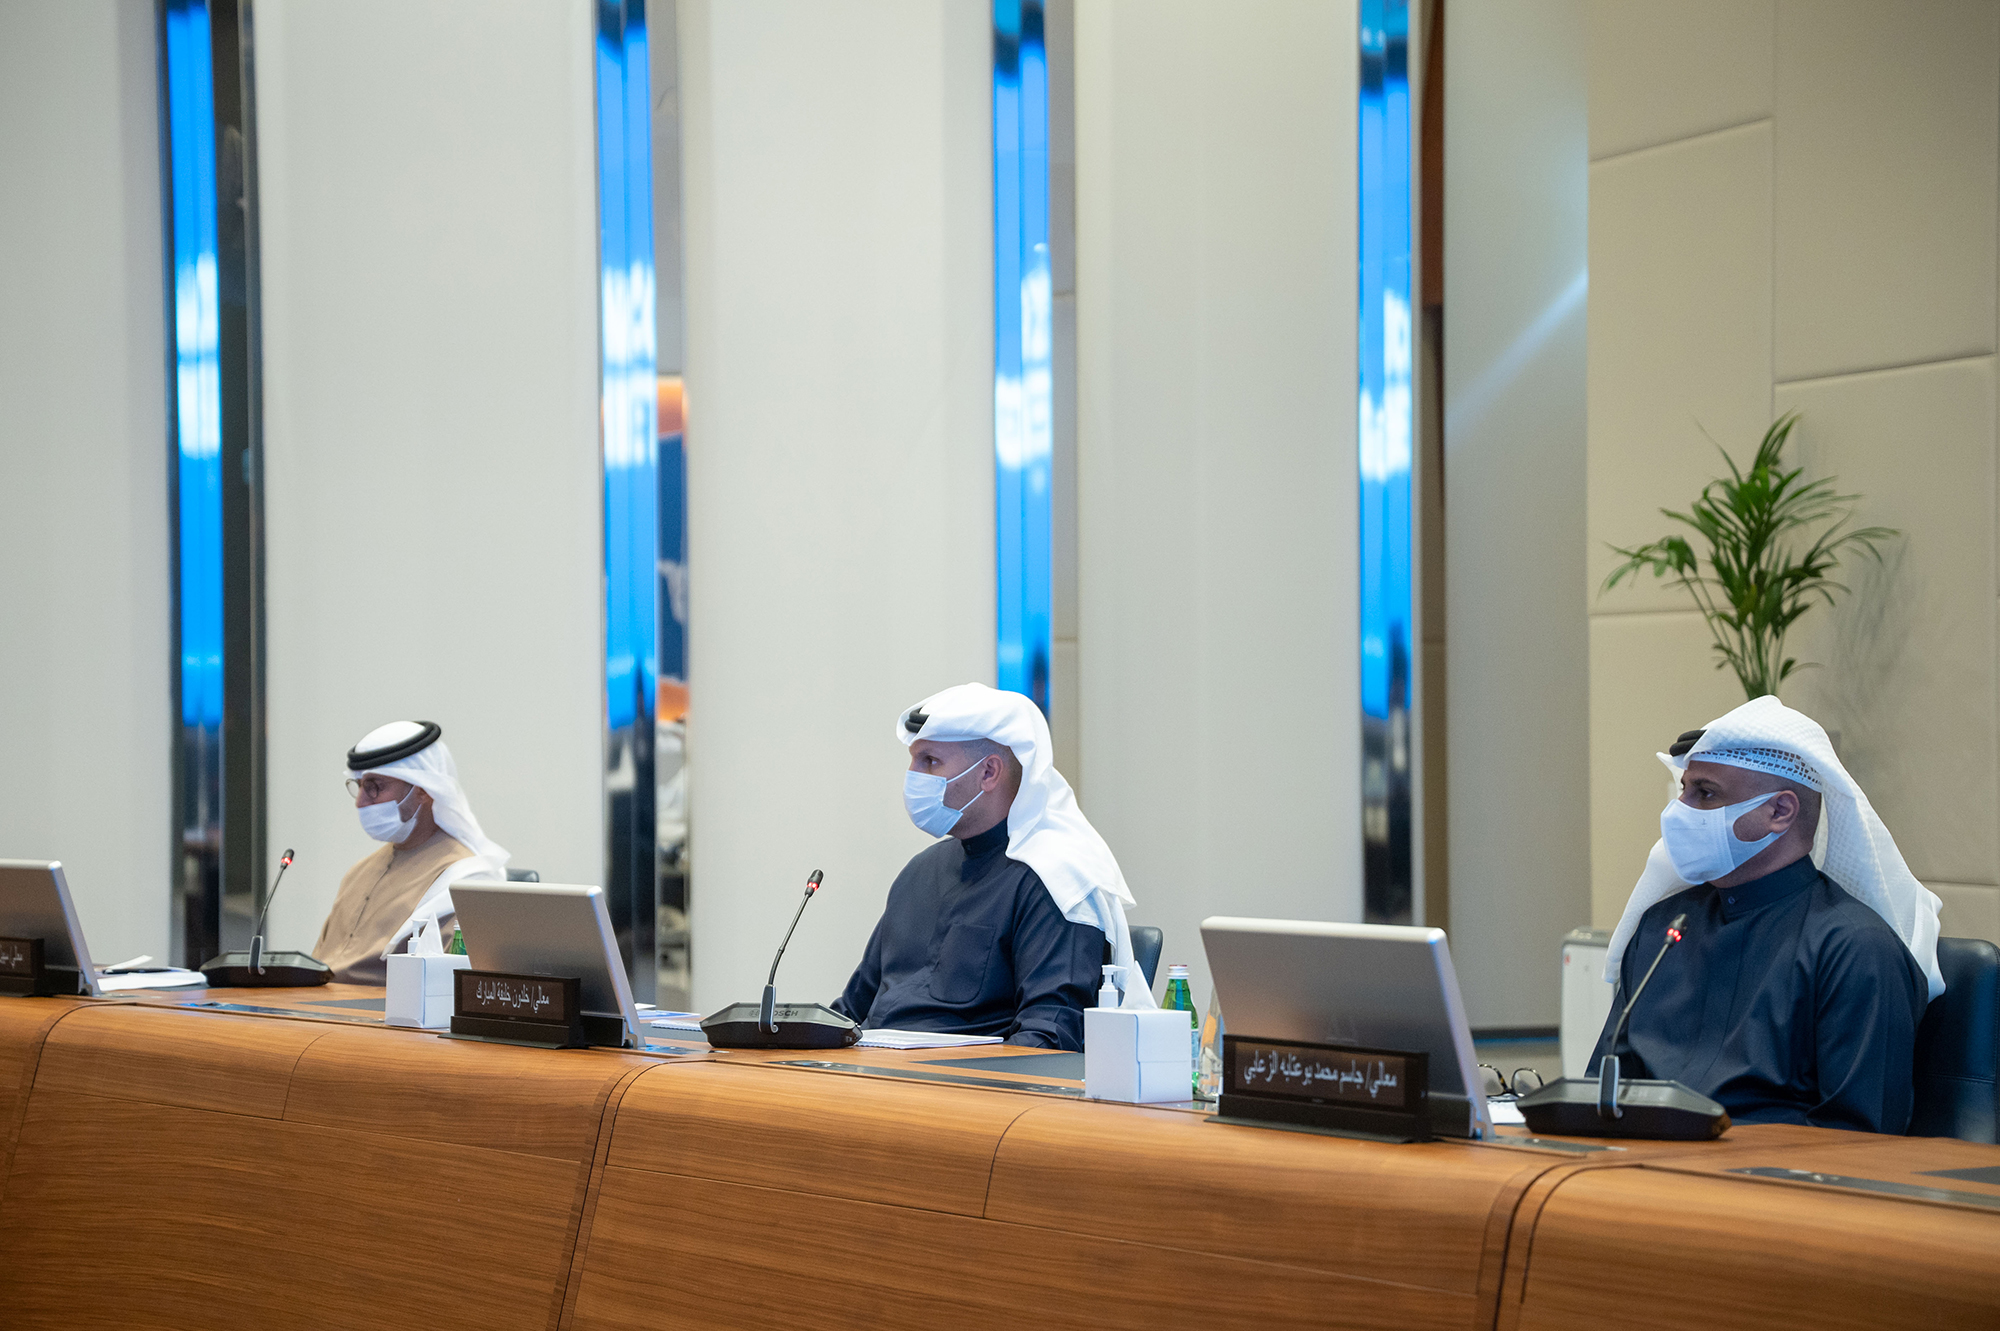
(1140, 1055)
(420, 989)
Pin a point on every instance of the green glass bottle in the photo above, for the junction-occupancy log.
(457, 948)
(1180, 999)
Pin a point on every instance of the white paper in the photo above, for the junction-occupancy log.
(173, 979)
(888, 1039)
(673, 1021)
(1504, 1112)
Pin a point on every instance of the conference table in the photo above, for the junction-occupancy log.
(265, 1158)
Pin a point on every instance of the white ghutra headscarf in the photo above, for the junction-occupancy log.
(1045, 829)
(1851, 847)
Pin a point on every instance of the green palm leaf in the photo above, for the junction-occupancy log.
(1757, 585)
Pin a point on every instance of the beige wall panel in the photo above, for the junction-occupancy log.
(1680, 338)
(1651, 677)
(1662, 70)
(1888, 144)
(1908, 665)
(86, 705)
(432, 490)
(1970, 910)
(838, 175)
(1216, 450)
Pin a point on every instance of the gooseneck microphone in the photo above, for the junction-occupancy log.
(1607, 1067)
(766, 1014)
(774, 1025)
(258, 968)
(1609, 1107)
(257, 937)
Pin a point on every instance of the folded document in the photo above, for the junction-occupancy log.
(877, 1039)
(157, 979)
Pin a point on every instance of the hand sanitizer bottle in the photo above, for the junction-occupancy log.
(1109, 996)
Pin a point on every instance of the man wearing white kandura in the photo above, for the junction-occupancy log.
(1001, 927)
(406, 792)
(1807, 949)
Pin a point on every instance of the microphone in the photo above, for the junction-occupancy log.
(769, 1025)
(257, 936)
(261, 969)
(1662, 1110)
(1608, 1065)
(765, 1013)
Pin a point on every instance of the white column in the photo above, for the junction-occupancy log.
(837, 169)
(86, 712)
(1219, 624)
(432, 497)
(1516, 273)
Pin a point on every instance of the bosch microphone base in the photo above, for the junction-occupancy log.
(800, 1026)
(278, 970)
(1656, 1110)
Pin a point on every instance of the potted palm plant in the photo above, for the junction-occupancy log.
(1758, 579)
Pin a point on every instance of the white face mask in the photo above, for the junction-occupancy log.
(923, 796)
(385, 821)
(1702, 843)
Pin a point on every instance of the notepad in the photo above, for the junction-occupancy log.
(879, 1039)
(888, 1039)
(160, 979)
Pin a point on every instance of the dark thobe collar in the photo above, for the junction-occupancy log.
(981, 849)
(1773, 887)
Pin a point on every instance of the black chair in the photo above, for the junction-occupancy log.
(1958, 1047)
(523, 876)
(1147, 941)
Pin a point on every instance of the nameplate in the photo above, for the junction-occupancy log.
(517, 1009)
(22, 973)
(1343, 1089)
(21, 956)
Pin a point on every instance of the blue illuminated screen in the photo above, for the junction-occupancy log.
(630, 387)
(1023, 399)
(197, 362)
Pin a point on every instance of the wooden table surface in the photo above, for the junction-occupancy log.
(257, 1158)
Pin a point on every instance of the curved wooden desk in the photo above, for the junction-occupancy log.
(167, 1166)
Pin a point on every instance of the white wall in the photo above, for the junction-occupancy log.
(837, 174)
(86, 714)
(1218, 626)
(1793, 207)
(1516, 217)
(428, 193)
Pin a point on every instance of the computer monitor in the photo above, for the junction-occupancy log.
(549, 929)
(34, 903)
(1379, 986)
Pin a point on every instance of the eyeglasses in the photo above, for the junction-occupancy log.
(1525, 1081)
(374, 787)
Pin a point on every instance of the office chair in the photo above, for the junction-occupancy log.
(1958, 1047)
(523, 876)
(1147, 940)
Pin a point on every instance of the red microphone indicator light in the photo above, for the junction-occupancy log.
(1674, 934)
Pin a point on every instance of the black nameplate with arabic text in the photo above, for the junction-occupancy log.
(21, 968)
(518, 1009)
(1342, 1089)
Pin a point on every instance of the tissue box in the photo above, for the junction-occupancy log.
(420, 990)
(1140, 1055)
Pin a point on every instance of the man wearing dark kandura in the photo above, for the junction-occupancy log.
(999, 928)
(1795, 993)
